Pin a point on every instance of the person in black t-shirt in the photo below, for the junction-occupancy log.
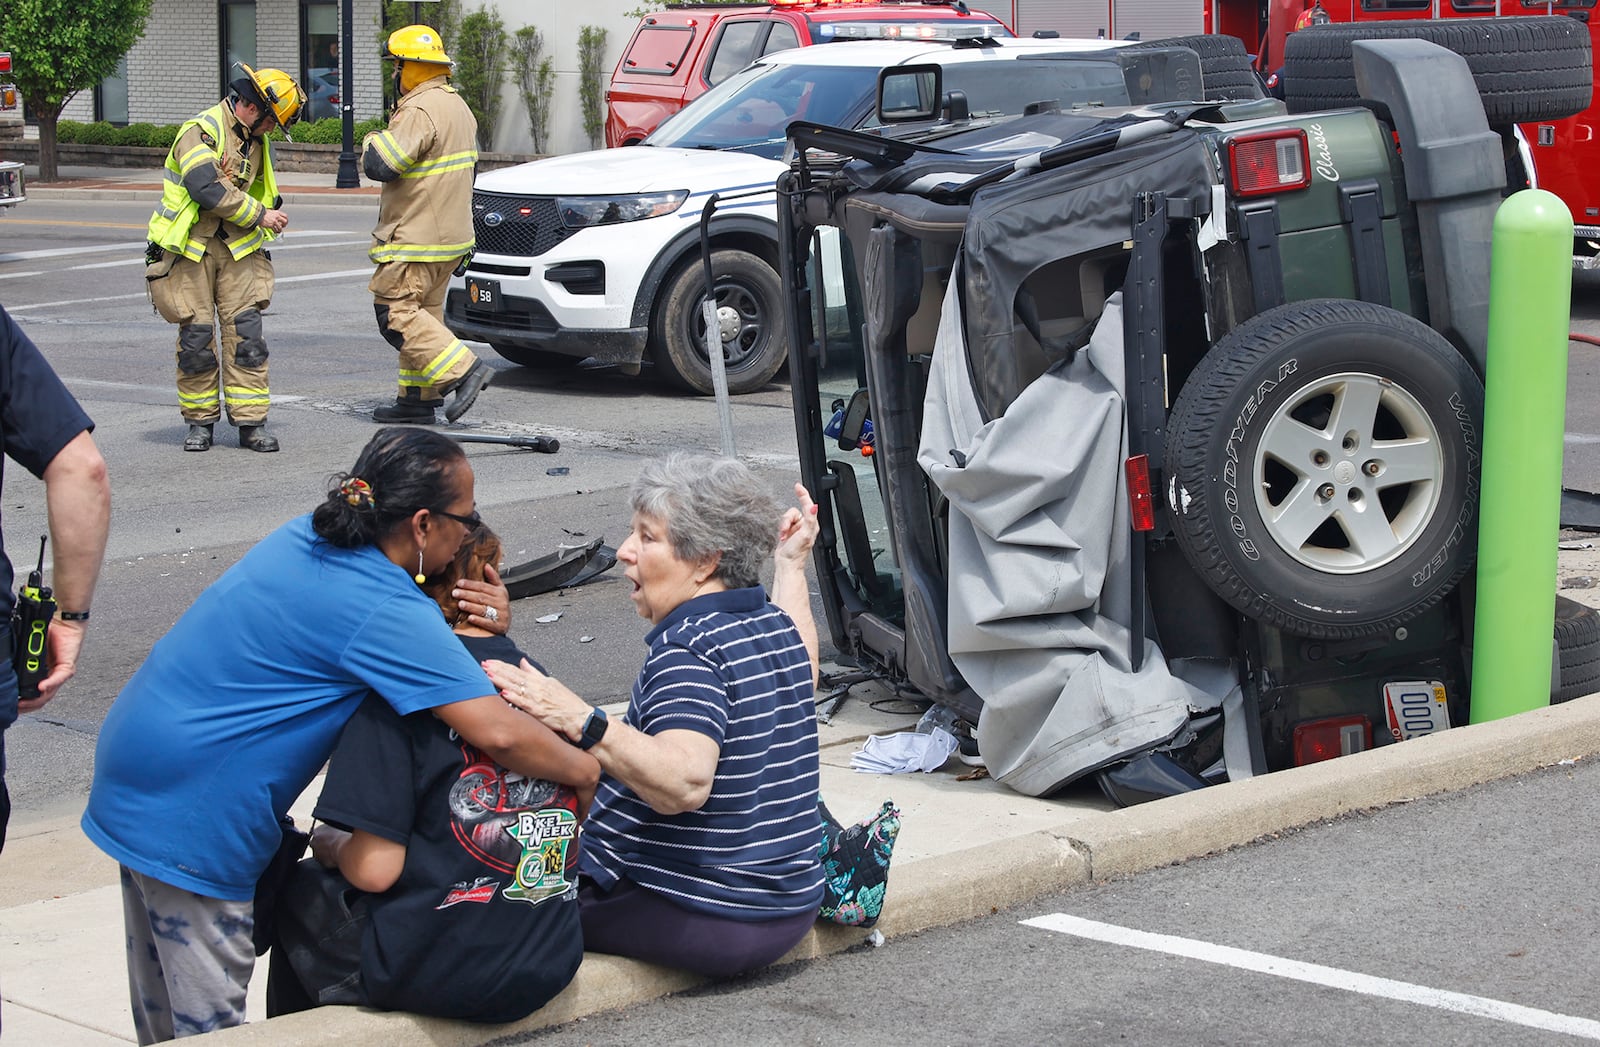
(440, 882)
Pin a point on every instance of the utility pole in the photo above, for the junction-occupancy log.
(348, 178)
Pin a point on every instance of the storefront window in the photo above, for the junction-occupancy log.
(111, 96)
(238, 38)
(319, 44)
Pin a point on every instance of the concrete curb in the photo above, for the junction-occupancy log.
(974, 883)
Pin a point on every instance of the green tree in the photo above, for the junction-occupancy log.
(592, 80)
(480, 54)
(535, 75)
(61, 47)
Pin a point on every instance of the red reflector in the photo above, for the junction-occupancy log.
(1141, 509)
(524, 211)
(1317, 740)
(1272, 162)
(5, 61)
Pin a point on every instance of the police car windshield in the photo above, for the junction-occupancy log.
(751, 110)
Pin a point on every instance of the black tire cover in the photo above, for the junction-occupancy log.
(1322, 468)
(1527, 69)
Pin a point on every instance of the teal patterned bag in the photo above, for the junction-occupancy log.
(855, 865)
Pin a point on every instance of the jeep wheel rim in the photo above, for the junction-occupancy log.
(1348, 473)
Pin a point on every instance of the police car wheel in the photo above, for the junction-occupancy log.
(749, 323)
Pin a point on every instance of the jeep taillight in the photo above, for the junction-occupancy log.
(1269, 162)
(1141, 508)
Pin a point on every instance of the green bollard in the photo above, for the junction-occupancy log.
(1530, 313)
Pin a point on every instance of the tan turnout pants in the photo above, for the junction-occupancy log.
(201, 297)
(408, 298)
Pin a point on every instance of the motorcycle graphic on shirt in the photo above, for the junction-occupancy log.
(525, 827)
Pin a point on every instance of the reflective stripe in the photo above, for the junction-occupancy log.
(413, 380)
(242, 246)
(418, 252)
(194, 158)
(442, 363)
(248, 212)
(247, 397)
(196, 400)
(443, 165)
(393, 155)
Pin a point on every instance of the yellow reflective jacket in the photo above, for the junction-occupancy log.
(216, 179)
(425, 159)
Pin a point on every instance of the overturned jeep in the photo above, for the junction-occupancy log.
(1146, 436)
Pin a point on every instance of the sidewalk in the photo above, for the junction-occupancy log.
(137, 183)
(966, 848)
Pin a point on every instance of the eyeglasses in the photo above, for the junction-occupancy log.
(471, 523)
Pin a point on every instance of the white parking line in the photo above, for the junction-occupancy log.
(1317, 974)
(367, 272)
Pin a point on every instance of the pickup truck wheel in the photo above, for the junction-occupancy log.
(1578, 639)
(749, 316)
(1225, 70)
(1527, 68)
(539, 359)
(1322, 468)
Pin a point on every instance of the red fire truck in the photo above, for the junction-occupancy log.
(1561, 154)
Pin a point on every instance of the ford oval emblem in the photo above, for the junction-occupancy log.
(493, 218)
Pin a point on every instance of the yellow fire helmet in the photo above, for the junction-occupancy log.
(273, 89)
(417, 43)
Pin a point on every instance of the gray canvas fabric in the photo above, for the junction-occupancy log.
(1039, 566)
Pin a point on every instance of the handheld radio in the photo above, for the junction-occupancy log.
(30, 625)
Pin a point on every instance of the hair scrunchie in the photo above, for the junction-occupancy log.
(357, 492)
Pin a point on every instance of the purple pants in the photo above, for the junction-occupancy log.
(631, 921)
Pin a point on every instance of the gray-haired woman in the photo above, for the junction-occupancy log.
(701, 849)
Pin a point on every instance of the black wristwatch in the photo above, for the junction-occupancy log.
(594, 729)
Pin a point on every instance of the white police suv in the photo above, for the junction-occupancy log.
(598, 254)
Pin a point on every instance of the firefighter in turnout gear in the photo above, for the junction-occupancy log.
(425, 160)
(208, 270)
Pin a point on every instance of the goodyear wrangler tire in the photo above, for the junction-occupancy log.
(1527, 69)
(1225, 70)
(1322, 467)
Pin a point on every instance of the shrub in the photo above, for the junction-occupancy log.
(535, 77)
(592, 80)
(480, 68)
(97, 133)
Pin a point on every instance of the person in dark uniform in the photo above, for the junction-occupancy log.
(44, 430)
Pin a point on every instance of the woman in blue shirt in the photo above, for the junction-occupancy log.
(240, 703)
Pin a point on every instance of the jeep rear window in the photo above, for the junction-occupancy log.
(1008, 90)
(659, 49)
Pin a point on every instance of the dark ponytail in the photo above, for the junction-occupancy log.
(400, 471)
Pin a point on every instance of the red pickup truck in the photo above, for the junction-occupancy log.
(677, 54)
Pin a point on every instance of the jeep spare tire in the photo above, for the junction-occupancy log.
(749, 323)
(1527, 68)
(1322, 468)
(1225, 70)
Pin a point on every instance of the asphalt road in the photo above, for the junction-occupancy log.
(1468, 919)
(71, 273)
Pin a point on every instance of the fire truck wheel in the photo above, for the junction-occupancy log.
(749, 318)
(1578, 641)
(1225, 69)
(1528, 68)
(1322, 468)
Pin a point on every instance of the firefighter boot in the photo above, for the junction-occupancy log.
(256, 438)
(199, 438)
(467, 389)
(408, 407)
